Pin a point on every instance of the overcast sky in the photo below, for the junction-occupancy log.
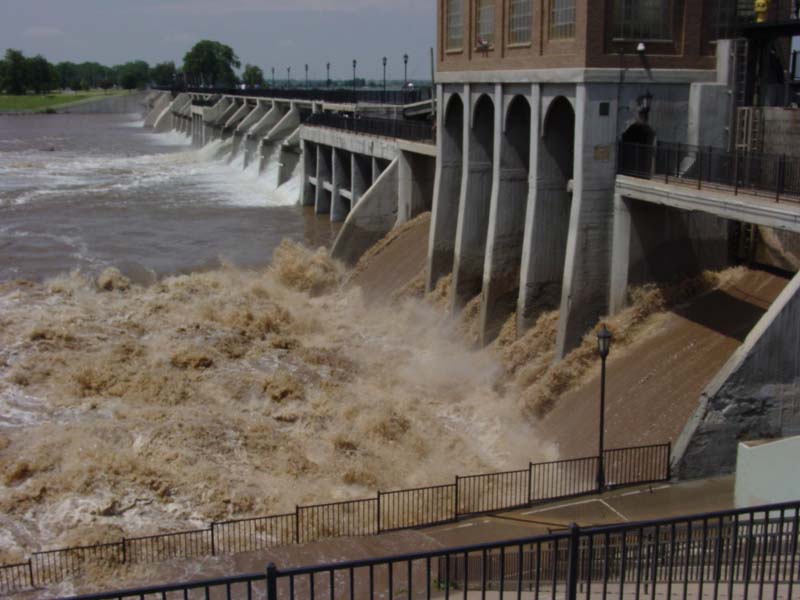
(267, 33)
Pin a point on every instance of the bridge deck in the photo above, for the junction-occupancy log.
(719, 201)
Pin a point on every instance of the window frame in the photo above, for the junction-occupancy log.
(668, 10)
(449, 45)
(551, 11)
(510, 40)
(492, 5)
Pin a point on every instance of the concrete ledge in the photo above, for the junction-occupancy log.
(358, 143)
(747, 208)
(578, 76)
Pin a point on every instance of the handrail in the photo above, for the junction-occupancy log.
(573, 479)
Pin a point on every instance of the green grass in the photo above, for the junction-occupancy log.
(34, 102)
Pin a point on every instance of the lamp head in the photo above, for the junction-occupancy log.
(604, 341)
(641, 48)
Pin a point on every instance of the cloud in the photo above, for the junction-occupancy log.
(43, 32)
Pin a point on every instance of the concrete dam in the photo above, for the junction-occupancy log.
(546, 196)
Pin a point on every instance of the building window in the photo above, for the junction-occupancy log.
(725, 16)
(520, 18)
(455, 24)
(562, 19)
(485, 21)
(643, 20)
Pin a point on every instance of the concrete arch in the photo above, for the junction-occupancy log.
(447, 192)
(547, 104)
(479, 104)
(543, 275)
(639, 133)
(507, 221)
(509, 105)
(474, 208)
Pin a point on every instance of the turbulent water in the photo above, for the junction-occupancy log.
(89, 191)
(181, 390)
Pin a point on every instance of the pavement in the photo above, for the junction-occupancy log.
(617, 506)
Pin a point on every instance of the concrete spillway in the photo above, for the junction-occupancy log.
(655, 384)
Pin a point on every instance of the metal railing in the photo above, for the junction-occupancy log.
(748, 553)
(417, 131)
(388, 511)
(767, 175)
(335, 96)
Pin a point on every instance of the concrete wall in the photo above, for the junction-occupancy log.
(371, 219)
(766, 472)
(755, 396)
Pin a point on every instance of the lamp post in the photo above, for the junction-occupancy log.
(273, 76)
(306, 75)
(288, 77)
(355, 64)
(603, 346)
(385, 60)
(405, 70)
(328, 74)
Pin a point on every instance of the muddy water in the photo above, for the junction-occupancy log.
(183, 391)
(89, 191)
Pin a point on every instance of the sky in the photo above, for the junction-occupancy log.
(267, 33)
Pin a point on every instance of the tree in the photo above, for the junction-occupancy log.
(163, 73)
(211, 63)
(40, 75)
(132, 75)
(253, 76)
(14, 80)
(68, 76)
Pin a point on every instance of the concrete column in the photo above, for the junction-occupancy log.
(620, 255)
(361, 177)
(507, 214)
(309, 170)
(322, 201)
(476, 193)
(584, 296)
(447, 186)
(340, 205)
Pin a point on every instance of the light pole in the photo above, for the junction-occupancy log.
(355, 64)
(328, 74)
(288, 77)
(306, 75)
(273, 76)
(385, 60)
(405, 70)
(603, 346)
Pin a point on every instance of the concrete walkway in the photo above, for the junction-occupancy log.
(625, 505)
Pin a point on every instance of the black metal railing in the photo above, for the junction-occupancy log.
(417, 131)
(747, 553)
(338, 95)
(767, 175)
(388, 511)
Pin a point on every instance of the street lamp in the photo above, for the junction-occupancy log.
(405, 70)
(273, 76)
(385, 60)
(306, 74)
(288, 77)
(603, 347)
(355, 64)
(328, 74)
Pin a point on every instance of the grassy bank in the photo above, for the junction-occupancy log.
(32, 102)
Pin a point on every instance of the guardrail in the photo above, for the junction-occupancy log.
(417, 131)
(747, 553)
(388, 511)
(767, 175)
(335, 96)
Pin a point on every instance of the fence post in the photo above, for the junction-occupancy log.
(296, 524)
(530, 483)
(124, 551)
(736, 172)
(779, 183)
(379, 511)
(573, 565)
(699, 168)
(455, 501)
(30, 572)
(272, 582)
(213, 540)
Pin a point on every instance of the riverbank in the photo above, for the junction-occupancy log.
(38, 103)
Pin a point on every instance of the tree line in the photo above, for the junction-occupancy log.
(207, 63)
